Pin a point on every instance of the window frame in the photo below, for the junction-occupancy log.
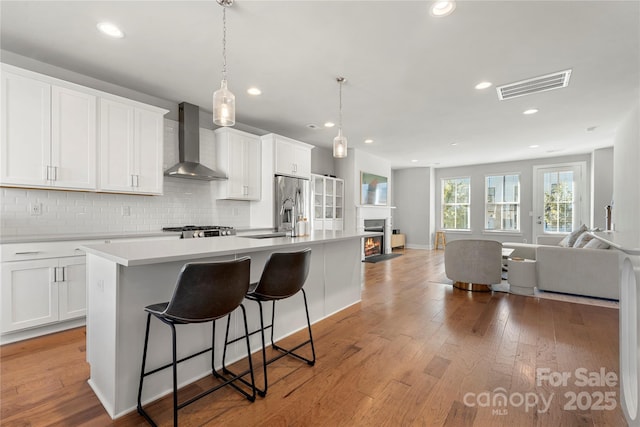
(517, 230)
(443, 204)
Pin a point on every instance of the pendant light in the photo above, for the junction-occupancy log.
(340, 141)
(224, 102)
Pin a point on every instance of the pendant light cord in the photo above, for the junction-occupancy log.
(340, 80)
(224, 43)
(340, 124)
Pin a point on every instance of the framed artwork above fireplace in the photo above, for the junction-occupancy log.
(373, 189)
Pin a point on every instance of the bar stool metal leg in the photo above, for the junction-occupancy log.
(290, 352)
(283, 351)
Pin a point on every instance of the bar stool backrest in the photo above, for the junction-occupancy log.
(207, 291)
(284, 274)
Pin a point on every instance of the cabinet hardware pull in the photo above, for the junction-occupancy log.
(27, 253)
(55, 173)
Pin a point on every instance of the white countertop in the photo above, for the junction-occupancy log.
(83, 236)
(142, 253)
(628, 242)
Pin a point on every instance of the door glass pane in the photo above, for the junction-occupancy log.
(558, 201)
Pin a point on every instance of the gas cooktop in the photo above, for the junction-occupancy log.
(196, 231)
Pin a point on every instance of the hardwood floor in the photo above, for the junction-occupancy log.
(415, 351)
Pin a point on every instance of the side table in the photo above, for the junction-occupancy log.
(522, 276)
(398, 240)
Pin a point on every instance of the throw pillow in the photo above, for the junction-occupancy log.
(570, 239)
(596, 244)
(583, 240)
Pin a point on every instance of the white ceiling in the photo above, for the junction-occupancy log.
(411, 76)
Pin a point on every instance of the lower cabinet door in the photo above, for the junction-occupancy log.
(29, 294)
(72, 289)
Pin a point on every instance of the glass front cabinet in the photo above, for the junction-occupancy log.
(328, 202)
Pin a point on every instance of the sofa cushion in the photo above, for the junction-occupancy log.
(583, 240)
(571, 238)
(596, 244)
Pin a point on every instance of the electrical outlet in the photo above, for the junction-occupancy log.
(126, 211)
(35, 209)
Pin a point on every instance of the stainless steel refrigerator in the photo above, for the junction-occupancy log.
(291, 202)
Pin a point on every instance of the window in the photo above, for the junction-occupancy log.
(558, 201)
(455, 203)
(502, 203)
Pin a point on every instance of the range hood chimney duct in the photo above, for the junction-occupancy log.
(189, 166)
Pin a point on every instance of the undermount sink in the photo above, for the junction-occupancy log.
(265, 236)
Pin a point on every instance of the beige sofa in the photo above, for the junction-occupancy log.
(579, 271)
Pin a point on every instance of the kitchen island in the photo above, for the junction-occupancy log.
(123, 278)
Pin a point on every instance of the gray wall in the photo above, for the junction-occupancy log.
(477, 174)
(602, 185)
(626, 160)
(322, 161)
(412, 199)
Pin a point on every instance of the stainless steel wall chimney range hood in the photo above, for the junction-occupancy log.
(189, 166)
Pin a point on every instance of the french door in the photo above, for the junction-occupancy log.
(559, 198)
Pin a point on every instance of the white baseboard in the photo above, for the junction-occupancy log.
(414, 246)
(42, 330)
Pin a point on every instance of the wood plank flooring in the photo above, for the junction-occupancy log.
(414, 352)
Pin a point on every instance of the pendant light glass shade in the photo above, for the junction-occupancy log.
(224, 102)
(340, 145)
(340, 141)
(224, 106)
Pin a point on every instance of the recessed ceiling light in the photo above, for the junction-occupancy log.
(329, 124)
(534, 146)
(312, 126)
(110, 30)
(453, 144)
(483, 85)
(443, 8)
(530, 111)
(414, 161)
(368, 141)
(254, 91)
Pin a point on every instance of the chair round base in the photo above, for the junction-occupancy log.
(474, 287)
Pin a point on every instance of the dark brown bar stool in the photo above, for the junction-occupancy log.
(204, 292)
(283, 276)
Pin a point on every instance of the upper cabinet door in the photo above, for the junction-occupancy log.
(239, 155)
(26, 131)
(148, 152)
(73, 139)
(292, 158)
(131, 148)
(116, 146)
(253, 168)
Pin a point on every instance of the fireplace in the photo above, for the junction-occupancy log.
(374, 245)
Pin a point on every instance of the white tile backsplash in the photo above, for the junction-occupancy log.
(184, 202)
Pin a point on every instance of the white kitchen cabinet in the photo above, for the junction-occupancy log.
(131, 148)
(292, 158)
(48, 134)
(328, 202)
(42, 291)
(238, 155)
(43, 286)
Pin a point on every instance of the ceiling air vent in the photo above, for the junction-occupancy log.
(537, 84)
